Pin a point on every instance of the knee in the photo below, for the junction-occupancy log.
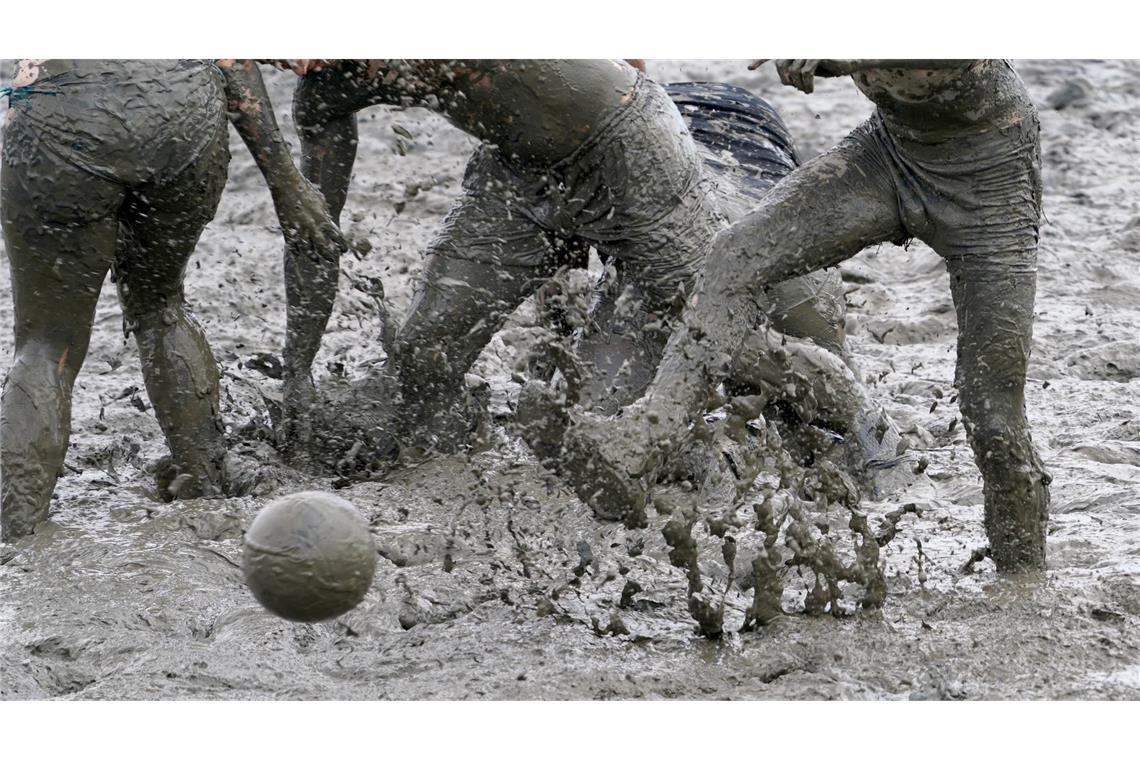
(142, 312)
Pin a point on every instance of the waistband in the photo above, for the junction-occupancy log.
(57, 68)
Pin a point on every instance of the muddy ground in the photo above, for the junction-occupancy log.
(495, 582)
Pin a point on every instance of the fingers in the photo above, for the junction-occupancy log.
(803, 76)
(784, 69)
(757, 63)
(807, 75)
(798, 73)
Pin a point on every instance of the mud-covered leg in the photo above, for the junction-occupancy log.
(57, 273)
(328, 152)
(458, 307)
(621, 346)
(995, 321)
(324, 109)
(181, 374)
(819, 215)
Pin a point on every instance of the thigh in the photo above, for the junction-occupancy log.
(60, 232)
(162, 223)
(493, 222)
(45, 183)
(822, 213)
(980, 197)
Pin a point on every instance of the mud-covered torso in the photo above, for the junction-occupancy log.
(537, 111)
(976, 97)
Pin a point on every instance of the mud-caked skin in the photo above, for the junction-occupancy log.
(951, 156)
(102, 169)
(110, 165)
(576, 154)
(579, 151)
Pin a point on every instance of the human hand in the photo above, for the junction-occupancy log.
(306, 223)
(798, 72)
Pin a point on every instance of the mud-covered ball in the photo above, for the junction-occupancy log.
(309, 556)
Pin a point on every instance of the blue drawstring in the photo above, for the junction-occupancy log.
(15, 93)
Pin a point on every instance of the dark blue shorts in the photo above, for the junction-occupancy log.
(744, 140)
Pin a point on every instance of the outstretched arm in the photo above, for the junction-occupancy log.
(801, 72)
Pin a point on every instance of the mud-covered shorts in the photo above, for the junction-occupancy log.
(85, 132)
(746, 149)
(635, 189)
(975, 198)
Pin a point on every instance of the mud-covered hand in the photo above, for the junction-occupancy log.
(798, 72)
(299, 66)
(801, 72)
(306, 223)
(301, 209)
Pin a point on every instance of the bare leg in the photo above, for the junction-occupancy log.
(819, 215)
(995, 318)
(180, 371)
(324, 109)
(57, 273)
(459, 306)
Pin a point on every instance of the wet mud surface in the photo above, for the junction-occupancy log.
(494, 581)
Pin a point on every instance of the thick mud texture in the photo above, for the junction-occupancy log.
(494, 581)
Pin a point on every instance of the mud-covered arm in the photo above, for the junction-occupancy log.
(837, 67)
(300, 207)
(801, 72)
(313, 243)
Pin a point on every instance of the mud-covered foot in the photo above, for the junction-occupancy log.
(25, 495)
(542, 419)
(16, 524)
(175, 482)
(598, 475)
(350, 428)
(878, 438)
(882, 450)
(1018, 557)
(240, 474)
(295, 434)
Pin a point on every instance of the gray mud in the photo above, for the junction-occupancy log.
(494, 581)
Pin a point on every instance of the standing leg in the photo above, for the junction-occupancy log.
(324, 108)
(57, 271)
(995, 322)
(487, 258)
(981, 202)
(163, 226)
